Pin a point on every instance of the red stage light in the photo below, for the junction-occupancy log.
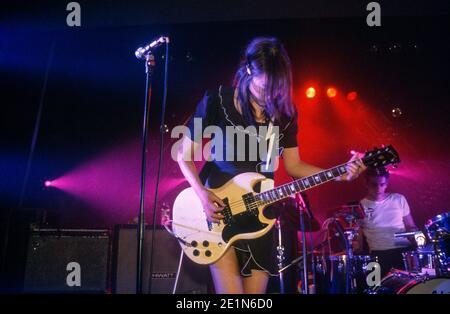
(48, 183)
(331, 92)
(310, 92)
(352, 96)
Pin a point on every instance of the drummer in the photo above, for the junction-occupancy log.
(385, 214)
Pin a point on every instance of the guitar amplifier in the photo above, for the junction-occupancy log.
(193, 278)
(67, 260)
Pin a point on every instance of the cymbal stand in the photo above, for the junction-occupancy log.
(280, 256)
(301, 206)
(350, 234)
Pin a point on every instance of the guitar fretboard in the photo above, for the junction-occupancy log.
(299, 185)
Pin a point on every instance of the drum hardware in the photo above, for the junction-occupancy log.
(419, 237)
(347, 235)
(307, 224)
(438, 227)
(438, 231)
(302, 206)
(344, 272)
(341, 274)
(165, 213)
(280, 255)
(420, 261)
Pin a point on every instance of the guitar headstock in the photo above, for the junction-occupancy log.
(380, 157)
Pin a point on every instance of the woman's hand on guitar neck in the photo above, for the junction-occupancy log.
(212, 205)
(354, 167)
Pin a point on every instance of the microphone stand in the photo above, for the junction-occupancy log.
(146, 53)
(149, 69)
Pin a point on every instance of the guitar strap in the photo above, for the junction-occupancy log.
(206, 170)
(271, 137)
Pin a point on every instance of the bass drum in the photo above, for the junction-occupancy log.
(401, 282)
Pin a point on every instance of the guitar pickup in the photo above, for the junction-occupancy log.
(227, 212)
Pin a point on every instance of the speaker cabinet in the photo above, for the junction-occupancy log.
(193, 278)
(65, 261)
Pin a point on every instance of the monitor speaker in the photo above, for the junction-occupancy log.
(193, 278)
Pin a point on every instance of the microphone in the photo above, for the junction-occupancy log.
(142, 52)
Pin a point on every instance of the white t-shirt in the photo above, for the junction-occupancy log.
(383, 219)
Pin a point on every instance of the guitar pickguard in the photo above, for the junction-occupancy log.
(242, 223)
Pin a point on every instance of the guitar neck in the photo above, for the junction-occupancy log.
(286, 190)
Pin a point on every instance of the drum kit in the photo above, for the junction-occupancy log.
(427, 269)
(332, 268)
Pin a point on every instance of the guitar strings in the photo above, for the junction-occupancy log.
(241, 201)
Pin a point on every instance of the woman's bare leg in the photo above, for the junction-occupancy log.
(226, 274)
(256, 283)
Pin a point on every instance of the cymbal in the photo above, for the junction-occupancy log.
(352, 210)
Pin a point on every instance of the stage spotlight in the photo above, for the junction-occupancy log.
(310, 92)
(352, 96)
(331, 92)
(48, 183)
(396, 112)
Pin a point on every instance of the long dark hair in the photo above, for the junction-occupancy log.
(266, 55)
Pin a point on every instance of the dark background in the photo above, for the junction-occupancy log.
(89, 134)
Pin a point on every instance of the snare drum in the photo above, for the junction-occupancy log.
(401, 282)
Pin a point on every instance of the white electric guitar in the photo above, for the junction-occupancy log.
(205, 242)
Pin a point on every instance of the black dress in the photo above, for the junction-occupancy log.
(217, 109)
